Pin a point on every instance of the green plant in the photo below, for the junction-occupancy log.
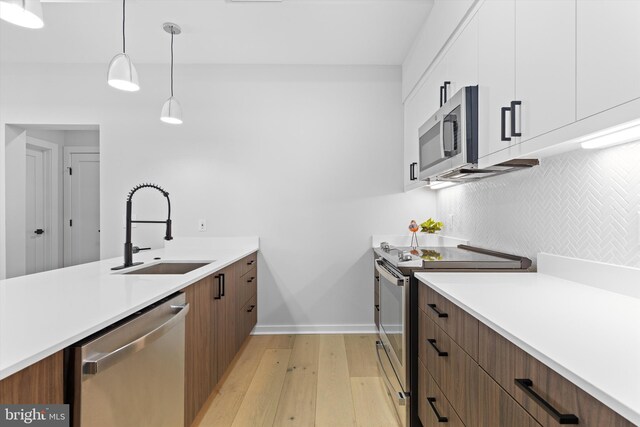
(431, 226)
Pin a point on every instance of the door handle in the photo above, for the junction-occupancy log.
(438, 312)
(223, 284)
(432, 403)
(441, 96)
(251, 307)
(433, 344)
(513, 117)
(39, 231)
(95, 366)
(446, 92)
(526, 385)
(219, 287)
(503, 124)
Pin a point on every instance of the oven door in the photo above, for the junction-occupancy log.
(393, 317)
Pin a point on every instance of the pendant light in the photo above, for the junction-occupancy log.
(171, 110)
(122, 74)
(24, 13)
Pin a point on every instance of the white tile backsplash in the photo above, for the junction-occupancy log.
(583, 204)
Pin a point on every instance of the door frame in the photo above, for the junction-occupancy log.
(68, 152)
(51, 207)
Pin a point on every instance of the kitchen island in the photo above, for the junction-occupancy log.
(44, 313)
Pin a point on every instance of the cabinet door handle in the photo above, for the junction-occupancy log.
(219, 287)
(438, 312)
(251, 307)
(433, 344)
(526, 385)
(223, 284)
(39, 231)
(411, 172)
(446, 92)
(441, 96)
(432, 403)
(503, 124)
(377, 307)
(253, 261)
(513, 117)
(251, 279)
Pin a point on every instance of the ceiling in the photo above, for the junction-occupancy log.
(346, 32)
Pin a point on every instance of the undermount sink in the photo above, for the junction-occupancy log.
(170, 267)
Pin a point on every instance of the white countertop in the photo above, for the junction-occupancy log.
(43, 313)
(587, 332)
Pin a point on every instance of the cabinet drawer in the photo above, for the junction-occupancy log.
(433, 407)
(498, 409)
(248, 286)
(455, 372)
(459, 325)
(247, 263)
(506, 362)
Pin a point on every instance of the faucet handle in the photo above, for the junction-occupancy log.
(136, 249)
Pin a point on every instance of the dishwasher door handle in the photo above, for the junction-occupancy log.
(92, 367)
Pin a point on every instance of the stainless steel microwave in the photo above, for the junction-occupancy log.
(449, 139)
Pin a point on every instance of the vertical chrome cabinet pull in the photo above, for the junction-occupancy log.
(503, 124)
(432, 403)
(513, 117)
(433, 344)
(526, 385)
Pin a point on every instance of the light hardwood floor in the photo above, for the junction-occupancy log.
(301, 380)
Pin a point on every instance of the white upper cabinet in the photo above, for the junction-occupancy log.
(462, 59)
(423, 103)
(496, 74)
(527, 72)
(608, 54)
(545, 52)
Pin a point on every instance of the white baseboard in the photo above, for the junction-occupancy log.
(313, 329)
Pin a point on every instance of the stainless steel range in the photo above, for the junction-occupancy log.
(396, 307)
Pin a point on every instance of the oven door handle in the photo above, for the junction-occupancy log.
(399, 281)
(401, 396)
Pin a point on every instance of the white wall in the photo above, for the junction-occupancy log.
(583, 204)
(307, 158)
(18, 136)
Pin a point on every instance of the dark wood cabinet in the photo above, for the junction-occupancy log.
(215, 330)
(475, 369)
(498, 409)
(200, 375)
(40, 383)
(506, 362)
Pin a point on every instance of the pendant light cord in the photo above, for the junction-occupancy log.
(172, 61)
(124, 49)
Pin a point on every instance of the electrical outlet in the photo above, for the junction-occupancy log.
(202, 225)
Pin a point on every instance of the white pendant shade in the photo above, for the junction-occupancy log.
(25, 13)
(171, 112)
(122, 74)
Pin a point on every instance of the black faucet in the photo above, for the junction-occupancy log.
(128, 246)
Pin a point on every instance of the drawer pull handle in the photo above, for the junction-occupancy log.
(438, 312)
(526, 385)
(253, 261)
(251, 307)
(433, 344)
(432, 403)
(251, 280)
(377, 307)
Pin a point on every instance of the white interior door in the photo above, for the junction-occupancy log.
(35, 212)
(82, 241)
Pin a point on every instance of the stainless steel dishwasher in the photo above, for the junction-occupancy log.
(132, 375)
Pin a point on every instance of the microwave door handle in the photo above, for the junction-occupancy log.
(448, 143)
